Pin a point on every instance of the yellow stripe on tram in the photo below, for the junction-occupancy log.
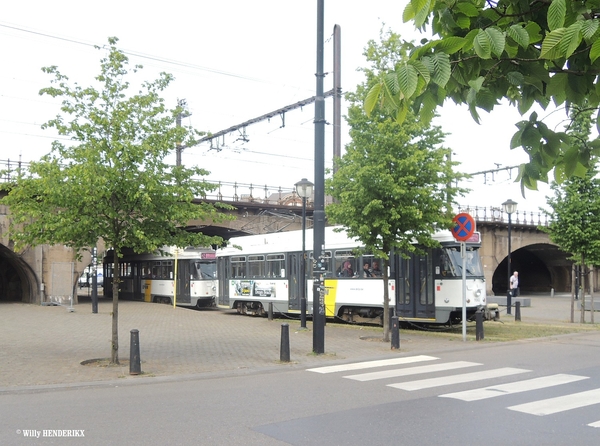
(330, 297)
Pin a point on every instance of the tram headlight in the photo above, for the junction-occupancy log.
(478, 293)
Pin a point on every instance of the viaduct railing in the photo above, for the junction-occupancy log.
(257, 194)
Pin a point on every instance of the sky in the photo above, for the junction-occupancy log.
(233, 60)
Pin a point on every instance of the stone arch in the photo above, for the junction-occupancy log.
(18, 282)
(542, 267)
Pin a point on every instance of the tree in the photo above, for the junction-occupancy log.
(575, 217)
(484, 51)
(394, 185)
(112, 182)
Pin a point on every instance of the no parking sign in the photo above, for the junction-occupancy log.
(464, 227)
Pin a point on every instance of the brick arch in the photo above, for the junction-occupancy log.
(542, 267)
(17, 280)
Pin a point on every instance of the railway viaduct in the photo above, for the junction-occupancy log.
(49, 273)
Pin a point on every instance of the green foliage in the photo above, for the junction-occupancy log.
(527, 53)
(395, 184)
(111, 181)
(575, 217)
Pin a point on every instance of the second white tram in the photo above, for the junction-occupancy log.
(424, 288)
(186, 277)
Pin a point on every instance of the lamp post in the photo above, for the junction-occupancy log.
(304, 189)
(510, 207)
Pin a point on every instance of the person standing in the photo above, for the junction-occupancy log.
(514, 283)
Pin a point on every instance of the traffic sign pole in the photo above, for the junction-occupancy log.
(464, 227)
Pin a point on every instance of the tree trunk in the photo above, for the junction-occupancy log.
(386, 302)
(114, 352)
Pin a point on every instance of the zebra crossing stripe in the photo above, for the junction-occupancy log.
(596, 424)
(560, 403)
(372, 364)
(457, 379)
(395, 373)
(516, 387)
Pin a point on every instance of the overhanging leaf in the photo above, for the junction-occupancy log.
(483, 45)
(551, 45)
(556, 14)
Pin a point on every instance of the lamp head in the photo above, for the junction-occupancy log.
(304, 188)
(510, 207)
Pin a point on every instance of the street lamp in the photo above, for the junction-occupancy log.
(510, 207)
(304, 189)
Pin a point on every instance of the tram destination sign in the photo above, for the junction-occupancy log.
(464, 227)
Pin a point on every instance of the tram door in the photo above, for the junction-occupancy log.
(415, 296)
(294, 280)
(183, 282)
(223, 289)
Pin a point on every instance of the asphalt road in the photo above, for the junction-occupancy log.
(534, 392)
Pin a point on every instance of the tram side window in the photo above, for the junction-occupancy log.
(162, 270)
(238, 267)
(256, 266)
(345, 264)
(275, 265)
(146, 270)
(371, 266)
(125, 269)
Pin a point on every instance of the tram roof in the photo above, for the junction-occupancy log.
(290, 241)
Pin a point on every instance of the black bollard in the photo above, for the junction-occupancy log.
(508, 301)
(135, 367)
(284, 349)
(479, 326)
(95, 293)
(517, 311)
(270, 311)
(395, 333)
(303, 312)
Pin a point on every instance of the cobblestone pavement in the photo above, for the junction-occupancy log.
(45, 345)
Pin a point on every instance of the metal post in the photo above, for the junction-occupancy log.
(395, 333)
(517, 311)
(479, 326)
(135, 367)
(270, 311)
(94, 280)
(303, 268)
(509, 294)
(284, 347)
(319, 203)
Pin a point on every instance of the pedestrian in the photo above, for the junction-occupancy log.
(514, 283)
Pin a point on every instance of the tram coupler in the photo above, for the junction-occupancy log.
(284, 348)
(491, 312)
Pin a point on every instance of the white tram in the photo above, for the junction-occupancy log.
(151, 277)
(423, 288)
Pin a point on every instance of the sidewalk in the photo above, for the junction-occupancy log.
(45, 345)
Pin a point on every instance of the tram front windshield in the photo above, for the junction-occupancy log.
(203, 270)
(451, 262)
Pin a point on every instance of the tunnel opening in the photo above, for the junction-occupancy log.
(16, 278)
(542, 268)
